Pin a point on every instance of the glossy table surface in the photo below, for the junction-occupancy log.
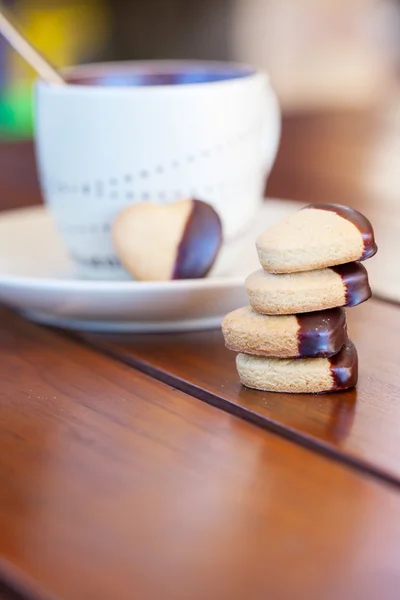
(138, 467)
(360, 426)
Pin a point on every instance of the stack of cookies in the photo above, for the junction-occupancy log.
(293, 337)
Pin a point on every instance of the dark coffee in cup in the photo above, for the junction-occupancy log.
(165, 74)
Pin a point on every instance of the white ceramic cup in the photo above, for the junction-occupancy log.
(154, 131)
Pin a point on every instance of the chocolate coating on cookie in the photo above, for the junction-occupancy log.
(344, 367)
(200, 243)
(358, 220)
(355, 281)
(321, 333)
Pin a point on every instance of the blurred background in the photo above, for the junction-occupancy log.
(335, 65)
(320, 54)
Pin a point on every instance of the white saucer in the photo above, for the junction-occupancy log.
(38, 280)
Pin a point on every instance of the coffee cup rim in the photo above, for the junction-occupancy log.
(250, 73)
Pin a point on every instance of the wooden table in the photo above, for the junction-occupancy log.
(137, 467)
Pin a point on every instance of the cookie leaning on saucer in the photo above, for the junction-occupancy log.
(301, 375)
(318, 236)
(314, 334)
(307, 291)
(178, 241)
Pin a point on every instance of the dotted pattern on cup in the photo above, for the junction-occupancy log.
(132, 186)
(202, 193)
(97, 261)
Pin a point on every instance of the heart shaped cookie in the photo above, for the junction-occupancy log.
(318, 236)
(300, 375)
(308, 291)
(177, 241)
(314, 334)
